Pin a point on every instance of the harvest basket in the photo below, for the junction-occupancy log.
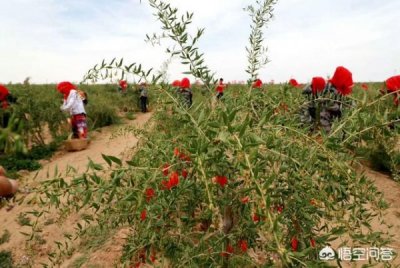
(73, 145)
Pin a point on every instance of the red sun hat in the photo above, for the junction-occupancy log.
(3, 93)
(185, 83)
(123, 84)
(65, 88)
(257, 84)
(364, 86)
(317, 84)
(293, 82)
(176, 83)
(3, 96)
(393, 83)
(342, 80)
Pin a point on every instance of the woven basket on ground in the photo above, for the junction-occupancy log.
(73, 145)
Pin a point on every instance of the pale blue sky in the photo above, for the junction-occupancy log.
(54, 40)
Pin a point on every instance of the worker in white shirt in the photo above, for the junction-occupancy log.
(74, 101)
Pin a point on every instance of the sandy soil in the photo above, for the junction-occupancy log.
(391, 191)
(107, 256)
(391, 216)
(103, 141)
(30, 254)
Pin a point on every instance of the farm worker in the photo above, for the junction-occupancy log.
(74, 104)
(341, 85)
(220, 88)
(5, 100)
(143, 96)
(319, 109)
(331, 104)
(186, 92)
(308, 110)
(257, 83)
(392, 86)
(123, 86)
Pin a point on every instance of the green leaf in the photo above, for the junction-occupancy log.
(107, 159)
(88, 196)
(113, 159)
(120, 63)
(94, 166)
(245, 124)
(130, 197)
(256, 138)
(110, 198)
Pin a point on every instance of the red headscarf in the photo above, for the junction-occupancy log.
(185, 83)
(65, 88)
(317, 84)
(123, 84)
(393, 85)
(342, 80)
(3, 96)
(293, 83)
(364, 86)
(257, 84)
(176, 83)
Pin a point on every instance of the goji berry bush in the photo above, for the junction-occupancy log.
(239, 182)
(233, 184)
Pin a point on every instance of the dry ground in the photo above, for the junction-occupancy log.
(31, 254)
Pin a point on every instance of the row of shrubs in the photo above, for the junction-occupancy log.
(225, 182)
(41, 126)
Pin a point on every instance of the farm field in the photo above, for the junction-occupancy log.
(106, 220)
